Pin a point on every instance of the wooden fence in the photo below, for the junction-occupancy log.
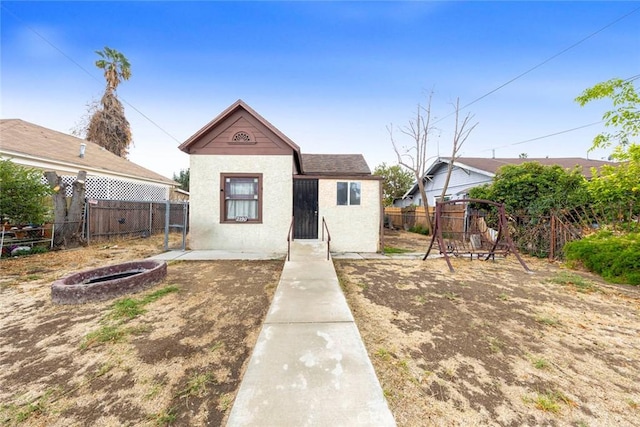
(537, 236)
(407, 217)
(105, 219)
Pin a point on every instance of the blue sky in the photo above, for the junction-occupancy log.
(330, 75)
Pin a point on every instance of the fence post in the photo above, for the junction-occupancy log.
(553, 237)
(87, 218)
(185, 217)
(150, 219)
(166, 225)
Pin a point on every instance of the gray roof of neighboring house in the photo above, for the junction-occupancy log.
(335, 164)
(19, 138)
(492, 165)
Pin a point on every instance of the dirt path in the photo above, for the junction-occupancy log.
(493, 345)
(172, 359)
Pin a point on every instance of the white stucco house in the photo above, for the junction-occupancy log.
(250, 185)
(469, 172)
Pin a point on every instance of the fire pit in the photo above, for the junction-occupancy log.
(105, 283)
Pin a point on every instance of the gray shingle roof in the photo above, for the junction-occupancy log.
(492, 165)
(334, 164)
(27, 139)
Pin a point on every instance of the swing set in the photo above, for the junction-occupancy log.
(461, 229)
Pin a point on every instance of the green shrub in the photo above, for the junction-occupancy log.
(23, 196)
(615, 258)
(418, 228)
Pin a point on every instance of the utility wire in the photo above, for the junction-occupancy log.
(542, 63)
(73, 61)
(546, 136)
(630, 79)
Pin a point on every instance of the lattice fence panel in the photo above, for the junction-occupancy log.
(99, 187)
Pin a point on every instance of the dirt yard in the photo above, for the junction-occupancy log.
(493, 345)
(175, 357)
(487, 345)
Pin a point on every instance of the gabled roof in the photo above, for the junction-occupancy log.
(335, 164)
(226, 114)
(490, 166)
(58, 151)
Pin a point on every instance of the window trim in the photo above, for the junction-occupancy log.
(349, 193)
(223, 204)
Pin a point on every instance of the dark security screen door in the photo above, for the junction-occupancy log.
(305, 208)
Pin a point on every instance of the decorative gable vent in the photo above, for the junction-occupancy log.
(242, 137)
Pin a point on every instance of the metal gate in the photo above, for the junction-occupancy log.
(305, 208)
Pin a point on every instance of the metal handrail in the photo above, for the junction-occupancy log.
(289, 239)
(324, 226)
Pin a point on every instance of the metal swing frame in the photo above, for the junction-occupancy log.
(459, 247)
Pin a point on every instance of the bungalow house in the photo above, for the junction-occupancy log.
(469, 172)
(250, 186)
(108, 175)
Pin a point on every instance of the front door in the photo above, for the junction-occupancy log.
(305, 208)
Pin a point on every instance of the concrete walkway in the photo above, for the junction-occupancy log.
(309, 366)
(209, 255)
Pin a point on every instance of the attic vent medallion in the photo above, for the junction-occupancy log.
(242, 138)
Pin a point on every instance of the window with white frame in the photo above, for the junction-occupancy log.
(348, 193)
(241, 198)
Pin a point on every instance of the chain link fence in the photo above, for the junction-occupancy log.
(108, 219)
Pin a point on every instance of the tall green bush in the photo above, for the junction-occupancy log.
(615, 258)
(532, 189)
(615, 190)
(22, 195)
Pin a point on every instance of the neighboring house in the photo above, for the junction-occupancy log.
(108, 175)
(469, 172)
(249, 183)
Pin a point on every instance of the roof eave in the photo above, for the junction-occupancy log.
(88, 169)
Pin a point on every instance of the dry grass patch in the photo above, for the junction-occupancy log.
(493, 345)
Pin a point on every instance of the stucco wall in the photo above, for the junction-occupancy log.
(206, 231)
(353, 228)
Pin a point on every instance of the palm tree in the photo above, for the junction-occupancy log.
(108, 126)
(115, 65)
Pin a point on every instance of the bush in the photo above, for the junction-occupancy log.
(615, 258)
(22, 194)
(418, 228)
(16, 251)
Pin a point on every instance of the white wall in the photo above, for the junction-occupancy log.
(461, 179)
(353, 228)
(205, 229)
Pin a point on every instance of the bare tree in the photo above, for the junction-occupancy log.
(414, 157)
(460, 135)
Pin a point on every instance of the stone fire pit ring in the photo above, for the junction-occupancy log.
(109, 282)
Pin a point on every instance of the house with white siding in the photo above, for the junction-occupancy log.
(251, 187)
(470, 172)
